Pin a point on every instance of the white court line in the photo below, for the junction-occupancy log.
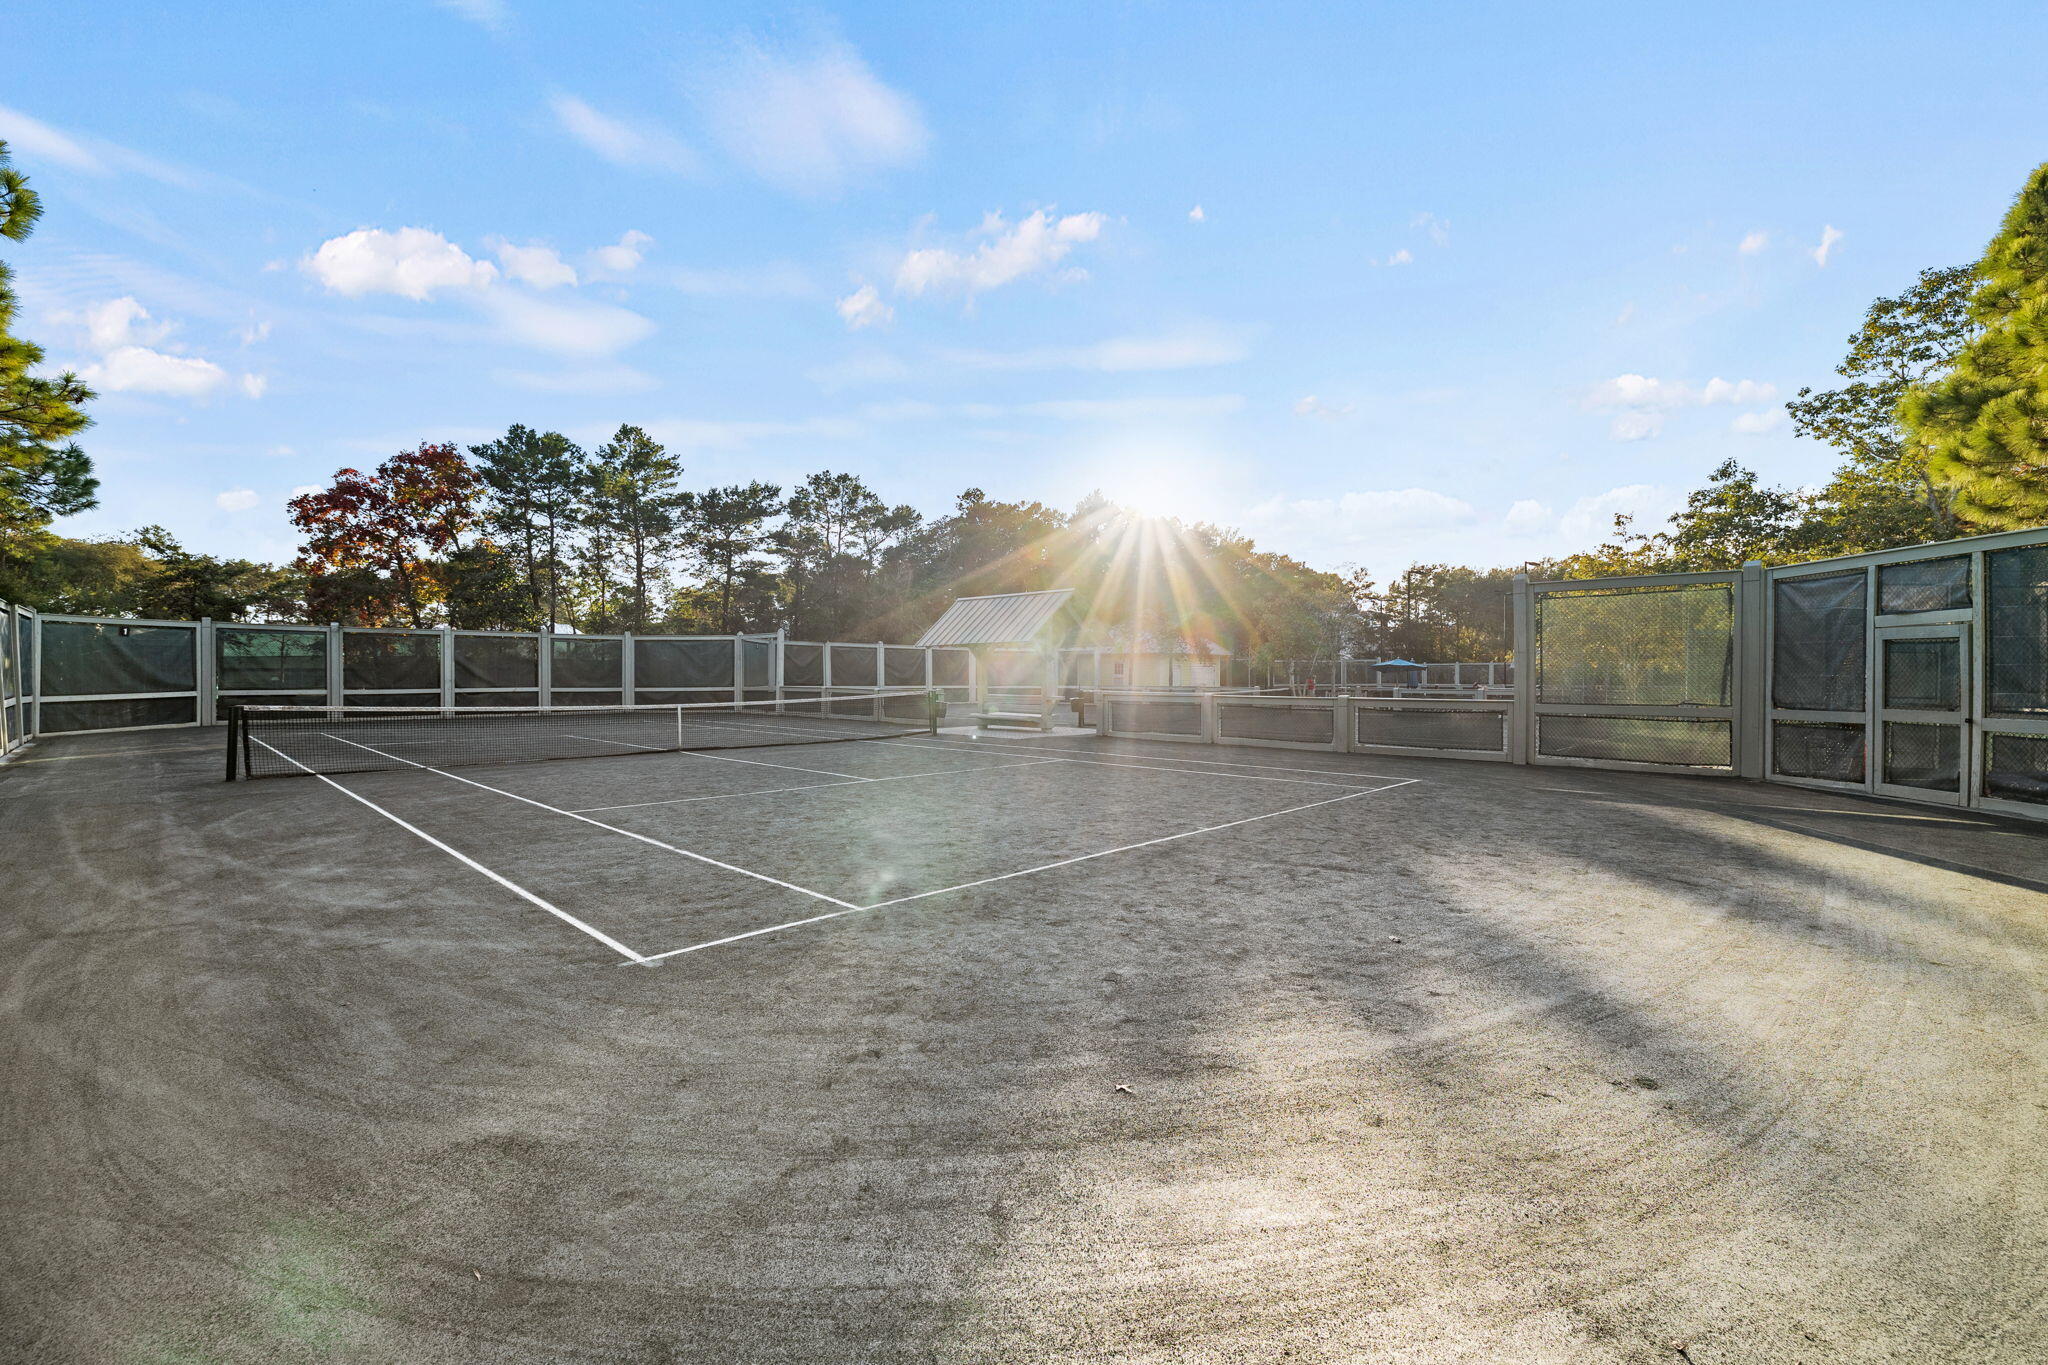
(812, 786)
(1024, 872)
(722, 758)
(1195, 772)
(615, 829)
(463, 858)
(1015, 747)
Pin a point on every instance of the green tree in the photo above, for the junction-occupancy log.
(1884, 495)
(535, 486)
(1984, 426)
(725, 532)
(482, 588)
(43, 473)
(631, 519)
(834, 533)
(184, 585)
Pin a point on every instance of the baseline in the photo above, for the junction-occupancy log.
(1032, 746)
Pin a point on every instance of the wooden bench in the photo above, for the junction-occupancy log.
(1015, 711)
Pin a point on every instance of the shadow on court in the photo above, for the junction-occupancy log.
(1504, 1064)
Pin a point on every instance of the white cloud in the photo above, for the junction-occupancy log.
(237, 500)
(1526, 517)
(1643, 401)
(864, 308)
(255, 385)
(410, 262)
(1593, 517)
(1757, 423)
(138, 369)
(1195, 214)
(1194, 347)
(1626, 315)
(1439, 231)
(602, 379)
(540, 266)
(1362, 516)
(621, 143)
(1035, 244)
(1635, 426)
(811, 124)
(119, 322)
(1829, 236)
(254, 332)
(32, 137)
(282, 450)
(303, 489)
(624, 256)
(1754, 242)
(1312, 406)
(487, 14)
(567, 326)
(1127, 409)
(1402, 257)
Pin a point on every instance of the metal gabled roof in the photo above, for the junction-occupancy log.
(1009, 618)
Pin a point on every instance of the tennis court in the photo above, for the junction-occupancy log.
(937, 1047)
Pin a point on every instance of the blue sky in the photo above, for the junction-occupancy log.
(1370, 282)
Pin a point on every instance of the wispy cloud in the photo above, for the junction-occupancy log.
(491, 15)
(1195, 215)
(1753, 242)
(569, 326)
(623, 257)
(539, 266)
(1830, 235)
(1757, 423)
(600, 379)
(620, 142)
(810, 123)
(1009, 252)
(33, 139)
(237, 500)
(1189, 348)
(1312, 406)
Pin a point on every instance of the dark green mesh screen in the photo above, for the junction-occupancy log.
(270, 660)
(1817, 749)
(1926, 756)
(803, 665)
(853, 665)
(82, 659)
(375, 660)
(2016, 631)
(757, 660)
(589, 663)
(2016, 767)
(497, 661)
(1924, 585)
(902, 667)
(1817, 636)
(680, 664)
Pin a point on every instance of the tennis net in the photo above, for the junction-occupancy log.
(287, 741)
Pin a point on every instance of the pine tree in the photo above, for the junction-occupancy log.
(43, 473)
(631, 517)
(1984, 427)
(535, 487)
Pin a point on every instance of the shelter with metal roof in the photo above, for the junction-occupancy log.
(1016, 637)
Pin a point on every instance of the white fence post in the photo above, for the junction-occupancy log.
(1522, 711)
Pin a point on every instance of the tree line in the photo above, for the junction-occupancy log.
(1941, 422)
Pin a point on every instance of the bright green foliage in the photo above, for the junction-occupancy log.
(1984, 427)
(149, 574)
(1884, 494)
(43, 473)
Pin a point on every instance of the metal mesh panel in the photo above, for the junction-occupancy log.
(10, 673)
(83, 659)
(1817, 638)
(497, 661)
(1440, 675)
(1304, 724)
(589, 662)
(1637, 739)
(757, 662)
(803, 665)
(853, 665)
(2016, 631)
(61, 717)
(903, 667)
(1818, 749)
(1415, 728)
(609, 696)
(392, 699)
(1924, 585)
(681, 663)
(1149, 716)
(1640, 647)
(950, 667)
(270, 660)
(2016, 767)
(371, 660)
(1926, 756)
(1923, 675)
(489, 699)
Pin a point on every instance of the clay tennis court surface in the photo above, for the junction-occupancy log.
(940, 1049)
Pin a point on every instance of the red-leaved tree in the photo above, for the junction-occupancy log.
(375, 543)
